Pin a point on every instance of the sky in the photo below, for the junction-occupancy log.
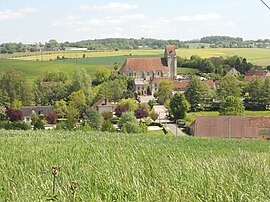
(31, 21)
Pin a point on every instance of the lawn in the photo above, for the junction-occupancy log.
(136, 167)
(192, 115)
(184, 70)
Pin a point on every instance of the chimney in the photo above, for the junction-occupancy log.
(105, 101)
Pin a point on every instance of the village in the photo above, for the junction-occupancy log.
(155, 97)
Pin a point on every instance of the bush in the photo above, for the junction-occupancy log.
(14, 115)
(51, 118)
(107, 115)
(107, 126)
(39, 125)
(3, 124)
(18, 125)
(128, 123)
(140, 113)
(94, 119)
(115, 120)
(120, 110)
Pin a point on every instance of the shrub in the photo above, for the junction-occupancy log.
(107, 115)
(34, 118)
(94, 119)
(14, 115)
(154, 115)
(51, 117)
(18, 125)
(140, 113)
(107, 126)
(128, 123)
(120, 110)
(39, 125)
(3, 124)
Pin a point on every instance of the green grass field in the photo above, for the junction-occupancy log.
(33, 68)
(183, 70)
(119, 167)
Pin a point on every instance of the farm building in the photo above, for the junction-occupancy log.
(231, 127)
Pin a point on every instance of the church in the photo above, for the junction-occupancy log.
(146, 70)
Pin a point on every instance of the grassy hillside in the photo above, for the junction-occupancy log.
(33, 68)
(119, 167)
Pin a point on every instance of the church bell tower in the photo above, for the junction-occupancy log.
(170, 55)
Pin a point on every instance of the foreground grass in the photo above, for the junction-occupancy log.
(119, 167)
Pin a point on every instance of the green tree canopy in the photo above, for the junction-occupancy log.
(82, 81)
(230, 86)
(232, 106)
(179, 106)
(129, 104)
(165, 89)
(93, 118)
(199, 95)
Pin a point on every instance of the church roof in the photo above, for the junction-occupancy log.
(144, 64)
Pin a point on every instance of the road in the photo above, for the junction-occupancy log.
(162, 111)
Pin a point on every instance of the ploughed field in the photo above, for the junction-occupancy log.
(137, 167)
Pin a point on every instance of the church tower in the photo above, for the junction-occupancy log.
(170, 55)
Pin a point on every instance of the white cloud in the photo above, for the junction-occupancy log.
(199, 18)
(16, 14)
(114, 6)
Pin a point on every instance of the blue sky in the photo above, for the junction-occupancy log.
(32, 21)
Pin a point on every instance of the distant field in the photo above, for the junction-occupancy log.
(135, 167)
(33, 68)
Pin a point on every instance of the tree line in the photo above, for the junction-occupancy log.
(131, 43)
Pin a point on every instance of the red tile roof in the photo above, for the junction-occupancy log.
(144, 64)
(257, 72)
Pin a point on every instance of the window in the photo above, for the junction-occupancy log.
(158, 73)
(148, 73)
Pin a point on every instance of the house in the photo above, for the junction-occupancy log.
(232, 71)
(256, 73)
(103, 105)
(146, 69)
(231, 127)
(39, 110)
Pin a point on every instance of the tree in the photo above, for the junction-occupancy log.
(77, 100)
(113, 90)
(102, 75)
(199, 95)
(128, 123)
(129, 104)
(229, 86)
(16, 104)
(60, 108)
(14, 86)
(179, 106)
(82, 81)
(93, 118)
(232, 106)
(14, 115)
(164, 92)
(154, 115)
(72, 116)
(51, 117)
